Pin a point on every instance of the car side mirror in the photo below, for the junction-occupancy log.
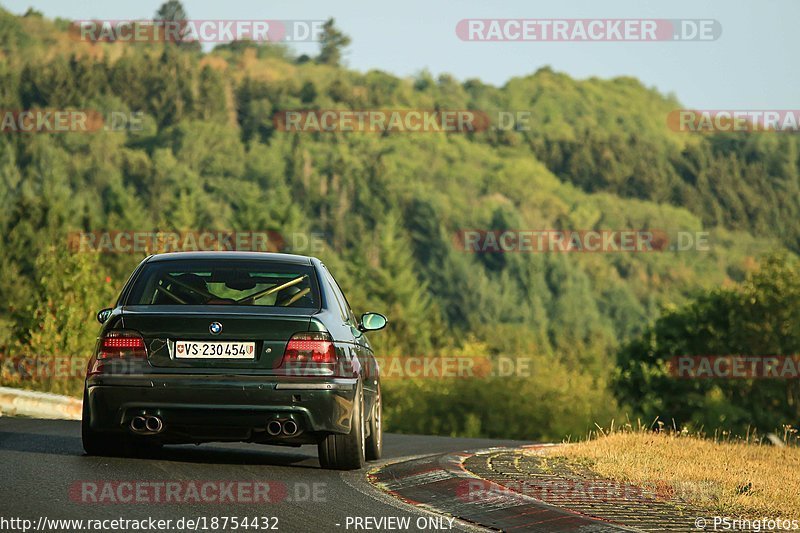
(103, 314)
(372, 322)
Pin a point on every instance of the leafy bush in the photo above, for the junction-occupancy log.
(759, 317)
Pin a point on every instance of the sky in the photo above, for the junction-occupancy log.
(746, 68)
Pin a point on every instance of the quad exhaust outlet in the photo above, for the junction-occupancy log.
(147, 425)
(287, 428)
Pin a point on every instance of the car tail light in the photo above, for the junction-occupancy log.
(309, 348)
(121, 344)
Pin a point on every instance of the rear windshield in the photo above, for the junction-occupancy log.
(225, 282)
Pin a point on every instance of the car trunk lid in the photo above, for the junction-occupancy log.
(168, 328)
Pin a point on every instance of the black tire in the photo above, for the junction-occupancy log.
(346, 452)
(95, 442)
(374, 444)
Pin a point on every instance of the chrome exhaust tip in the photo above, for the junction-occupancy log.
(290, 428)
(154, 424)
(138, 424)
(274, 428)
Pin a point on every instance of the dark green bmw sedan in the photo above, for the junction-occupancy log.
(234, 346)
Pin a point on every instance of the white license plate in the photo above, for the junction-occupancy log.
(214, 350)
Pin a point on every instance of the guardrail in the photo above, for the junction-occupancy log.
(18, 402)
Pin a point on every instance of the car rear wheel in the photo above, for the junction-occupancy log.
(95, 442)
(374, 448)
(346, 452)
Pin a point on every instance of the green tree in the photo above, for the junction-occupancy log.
(758, 318)
(394, 286)
(332, 42)
(57, 325)
(172, 11)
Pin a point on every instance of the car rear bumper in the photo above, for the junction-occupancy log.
(222, 408)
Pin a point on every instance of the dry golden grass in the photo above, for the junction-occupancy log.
(727, 478)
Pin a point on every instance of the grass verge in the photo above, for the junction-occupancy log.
(736, 479)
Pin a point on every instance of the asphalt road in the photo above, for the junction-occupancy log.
(45, 474)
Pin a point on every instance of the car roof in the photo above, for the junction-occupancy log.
(258, 256)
